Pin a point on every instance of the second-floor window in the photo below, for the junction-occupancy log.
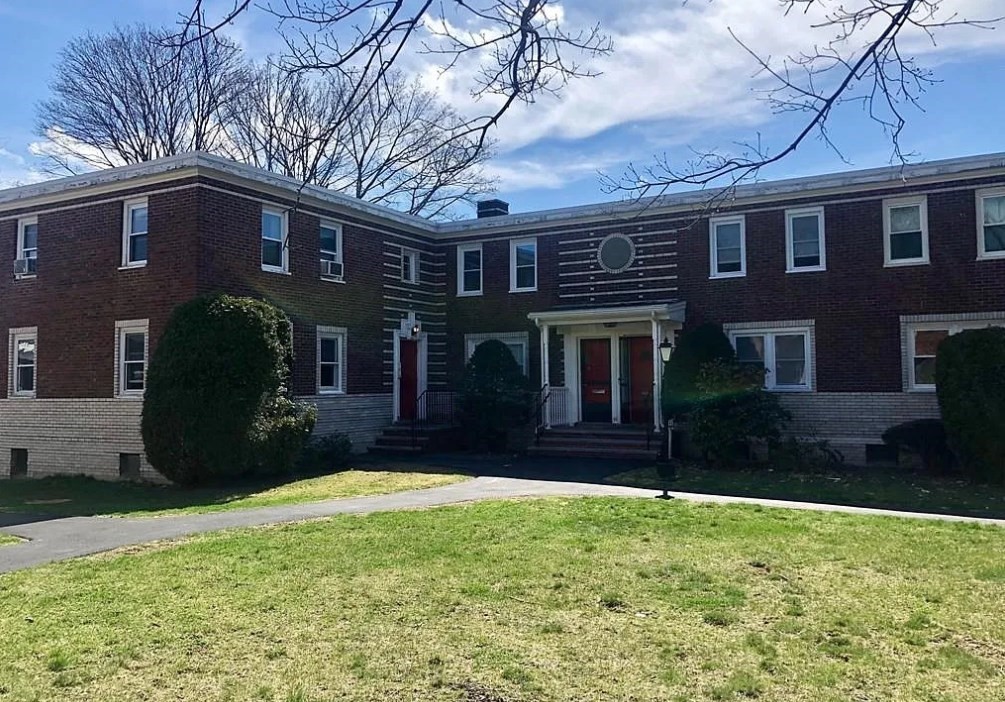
(469, 269)
(905, 225)
(783, 353)
(274, 233)
(410, 265)
(27, 247)
(331, 251)
(991, 224)
(804, 240)
(523, 265)
(134, 234)
(728, 247)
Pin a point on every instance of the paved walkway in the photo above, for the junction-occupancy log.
(63, 538)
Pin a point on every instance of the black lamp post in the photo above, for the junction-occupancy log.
(665, 468)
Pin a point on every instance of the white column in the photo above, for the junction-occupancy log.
(657, 373)
(545, 375)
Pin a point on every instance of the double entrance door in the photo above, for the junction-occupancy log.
(634, 382)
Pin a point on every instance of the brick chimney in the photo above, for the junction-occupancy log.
(493, 208)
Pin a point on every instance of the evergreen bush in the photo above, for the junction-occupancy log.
(495, 396)
(695, 347)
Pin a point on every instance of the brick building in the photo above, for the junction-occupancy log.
(840, 285)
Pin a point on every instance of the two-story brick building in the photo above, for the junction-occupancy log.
(840, 285)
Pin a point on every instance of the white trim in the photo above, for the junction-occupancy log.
(982, 253)
(920, 201)
(713, 249)
(404, 331)
(280, 212)
(631, 313)
(471, 342)
(127, 208)
(771, 330)
(22, 223)
(122, 328)
(513, 244)
(14, 336)
(461, 250)
(339, 334)
(790, 262)
(339, 255)
(412, 255)
(949, 323)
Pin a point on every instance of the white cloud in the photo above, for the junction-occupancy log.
(16, 170)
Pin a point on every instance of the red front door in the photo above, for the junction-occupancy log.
(408, 383)
(595, 379)
(640, 380)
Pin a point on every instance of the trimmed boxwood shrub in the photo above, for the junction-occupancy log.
(695, 347)
(970, 381)
(215, 405)
(495, 396)
(927, 439)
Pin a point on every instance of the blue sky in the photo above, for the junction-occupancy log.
(675, 81)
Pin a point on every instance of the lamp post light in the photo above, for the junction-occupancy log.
(665, 468)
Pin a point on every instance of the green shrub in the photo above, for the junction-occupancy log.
(494, 397)
(215, 404)
(695, 347)
(806, 456)
(927, 439)
(731, 409)
(327, 454)
(970, 380)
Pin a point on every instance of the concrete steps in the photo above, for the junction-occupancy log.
(597, 441)
(398, 439)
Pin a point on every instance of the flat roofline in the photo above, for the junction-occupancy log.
(200, 163)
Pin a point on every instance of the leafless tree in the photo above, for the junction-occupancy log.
(126, 97)
(398, 145)
(864, 63)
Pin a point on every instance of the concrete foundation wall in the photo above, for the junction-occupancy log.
(851, 420)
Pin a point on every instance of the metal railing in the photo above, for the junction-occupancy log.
(539, 417)
(432, 408)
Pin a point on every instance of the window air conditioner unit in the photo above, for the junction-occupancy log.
(331, 269)
(24, 266)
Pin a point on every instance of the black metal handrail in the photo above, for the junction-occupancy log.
(542, 395)
(432, 407)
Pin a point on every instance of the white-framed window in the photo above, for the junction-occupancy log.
(905, 231)
(727, 239)
(26, 264)
(23, 362)
(991, 223)
(331, 360)
(923, 339)
(409, 265)
(469, 269)
(275, 235)
(805, 246)
(134, 233)
(131, 346)
(522, 265)
(517, 342)
(332, 267)
(785, 353)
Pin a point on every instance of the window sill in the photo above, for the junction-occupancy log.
(129, 396)
(906, 263)
(322, 391)
(26, 276)
(333, 279)
(726, 276)
(470, 294)
(993, 256)
(789, 390)
(133, 266)
(278, 271)
(523, 290)
(815, 269)
(22, 396)
(923, 390)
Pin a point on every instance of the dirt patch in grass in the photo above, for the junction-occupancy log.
(559, 599)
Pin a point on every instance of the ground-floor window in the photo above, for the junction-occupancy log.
(922, 339)
(23, 361)
(517, 342)
(785, 353)
(131, 358)
(331, 359)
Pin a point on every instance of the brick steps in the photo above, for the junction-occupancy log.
(597, 441)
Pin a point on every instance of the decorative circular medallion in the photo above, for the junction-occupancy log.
(616, 253)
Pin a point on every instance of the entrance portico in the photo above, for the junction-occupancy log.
(611, 362)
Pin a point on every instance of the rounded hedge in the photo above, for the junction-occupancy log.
(215, 404)
(970, 381)
(703, 344)
(495, 395)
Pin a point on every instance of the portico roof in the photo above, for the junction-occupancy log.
(667, 311)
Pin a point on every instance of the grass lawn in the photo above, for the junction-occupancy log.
(592, 599)
(85, 496)
(6, 540)
(863, 487)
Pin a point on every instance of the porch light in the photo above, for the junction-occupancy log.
(415, 329)
(666, 350)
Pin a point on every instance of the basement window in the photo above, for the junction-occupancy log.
(19, 463)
